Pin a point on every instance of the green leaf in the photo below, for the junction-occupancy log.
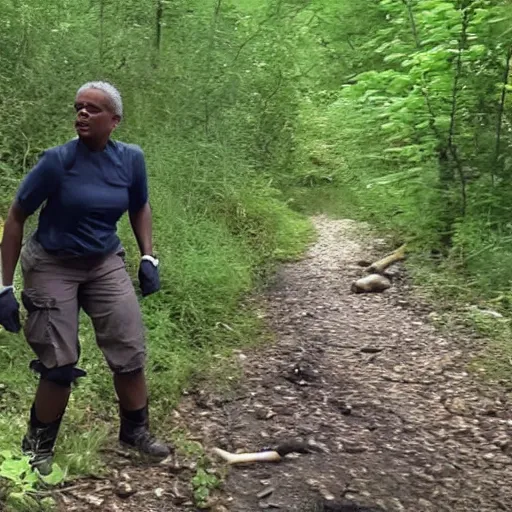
(443, 122)
(19, 497)
(12, 469)
(409, 62)
(6, 454)
(422, 125)
(56, 477)
(496, 20)
(443, 7)
(388, 126)
(477, 50)
(383, 47)
(394, 56)
(394, 177)
(31, 478)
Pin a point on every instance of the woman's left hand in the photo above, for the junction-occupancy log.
(149, 275)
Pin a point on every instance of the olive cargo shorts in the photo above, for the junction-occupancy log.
(56, 289)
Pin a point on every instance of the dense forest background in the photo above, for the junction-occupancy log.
(251, 114)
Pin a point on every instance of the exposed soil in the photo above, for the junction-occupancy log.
(384, 400)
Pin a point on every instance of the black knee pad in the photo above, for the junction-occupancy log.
(62, 376)
(130, 373)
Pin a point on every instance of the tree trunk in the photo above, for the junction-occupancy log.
(102, 32)
(498, 163)
(159, 14)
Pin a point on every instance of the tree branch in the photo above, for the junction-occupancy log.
(102, 32)
(159, 14)
(453, 114)
(253, 36)
(264, 22)
(217, 8)
(424, 90)
(207, 109)
(274, 92)
(501, 112)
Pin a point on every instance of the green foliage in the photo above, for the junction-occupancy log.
(214, 106)
(205, 480)
(437, 101)
(203, 483)
(21, 483)
(18, 471)
(495, 361)
(419, 140)
(391, 111)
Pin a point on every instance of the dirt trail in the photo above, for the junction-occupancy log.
(396, 419)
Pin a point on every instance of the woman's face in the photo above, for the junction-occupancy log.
(95, 118)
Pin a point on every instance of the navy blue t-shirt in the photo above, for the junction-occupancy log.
(86, 193)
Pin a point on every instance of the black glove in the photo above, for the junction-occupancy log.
(149, 276)
(9, 311)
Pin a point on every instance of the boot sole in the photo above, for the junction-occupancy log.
(144, 455)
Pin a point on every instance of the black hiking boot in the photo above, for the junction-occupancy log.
(38, 444)
(134, 433)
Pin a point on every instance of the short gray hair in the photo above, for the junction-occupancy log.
(110, 91)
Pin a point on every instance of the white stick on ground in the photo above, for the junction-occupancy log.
(240, 458)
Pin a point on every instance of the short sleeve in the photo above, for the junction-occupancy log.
(39, 183)
(139, 188)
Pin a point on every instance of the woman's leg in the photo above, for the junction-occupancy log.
(51, 401)
(109, 298)
(131, 390)
(51, 329)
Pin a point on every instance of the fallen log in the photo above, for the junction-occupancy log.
(374, 283)
(379, 266)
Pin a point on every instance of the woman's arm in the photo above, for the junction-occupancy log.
(149, 278)
(35, 188)
(142, 226)
(11, 242)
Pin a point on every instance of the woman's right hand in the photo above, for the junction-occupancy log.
(149, 276)
(9, 310)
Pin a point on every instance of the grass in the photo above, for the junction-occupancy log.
(494, 363)
(337, 202)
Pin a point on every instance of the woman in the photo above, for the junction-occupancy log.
(75, 260)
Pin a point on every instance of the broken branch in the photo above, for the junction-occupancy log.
(379, 266)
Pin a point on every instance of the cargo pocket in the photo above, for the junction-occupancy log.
(30, 255)
(38, 325)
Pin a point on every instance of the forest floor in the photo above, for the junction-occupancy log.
(384, 398)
